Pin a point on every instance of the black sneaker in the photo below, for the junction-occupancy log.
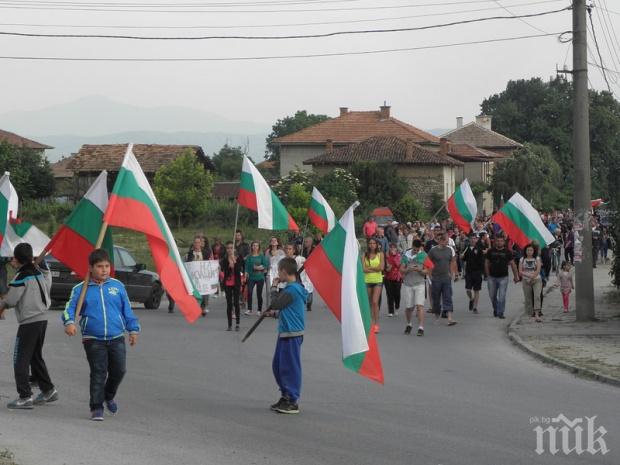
(444, 314)
(277, 404)
(408, 329)
(236, 327)
(229, 328)
(287, 407)
(501, 317)
(45, 397)
(471, 305)
(476, 311)
(420, 332)
(495, 313)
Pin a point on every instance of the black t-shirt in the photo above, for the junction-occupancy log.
(429, 245)
(499, 261)
(474, 257)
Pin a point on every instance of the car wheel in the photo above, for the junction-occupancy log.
(154, 299)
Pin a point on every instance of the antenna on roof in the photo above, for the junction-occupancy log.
(385, 103)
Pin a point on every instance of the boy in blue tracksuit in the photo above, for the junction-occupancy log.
(105, 317)
(289, 306)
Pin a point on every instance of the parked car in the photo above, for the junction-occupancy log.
(383, 216)
(142, 285)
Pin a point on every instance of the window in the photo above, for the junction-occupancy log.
(127, 259)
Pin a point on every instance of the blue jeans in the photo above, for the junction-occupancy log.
(259, 293)
(107, 368)
(441, 291)
(497, 293)
(287, 366)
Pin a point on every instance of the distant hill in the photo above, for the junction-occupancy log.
(210, 142)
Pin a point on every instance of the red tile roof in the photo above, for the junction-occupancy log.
(92, 158)
(479, 136)
(392, 149)
(467, 152)
(356, 126)
(14, 139)
(60, 169)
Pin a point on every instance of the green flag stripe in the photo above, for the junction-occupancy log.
(247, 182)
(86, 220)
(4, 213)
(462, 206)
(280, 214)
(21, 228)
(333, 244)
(318, 208)
(523, 223)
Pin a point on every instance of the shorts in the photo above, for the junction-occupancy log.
(412, 296)
(473, 280)
(373, 285)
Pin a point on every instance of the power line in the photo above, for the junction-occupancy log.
(613, 29)
(247, 26)
(611, 46)
(298, 36)
(19, 6)
(178, 4)
(520, 19)
(281, 57)
(598, 49)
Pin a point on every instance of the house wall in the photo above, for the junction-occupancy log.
(293, 156)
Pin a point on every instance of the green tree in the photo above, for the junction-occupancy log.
(533, 173)
(297, 203)
(380, 184)
(30, 171)
(340, 187)
(183, 188)
(228, 162)
(408, 209)
(289, 125)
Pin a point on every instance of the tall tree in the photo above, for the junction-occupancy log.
(228, 162)
(380, 184)
(30, 171)
(288, 125)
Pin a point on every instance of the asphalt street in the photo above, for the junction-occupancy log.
(194, 394)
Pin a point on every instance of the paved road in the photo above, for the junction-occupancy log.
(196, 395)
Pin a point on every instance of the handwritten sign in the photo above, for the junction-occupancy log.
(205, 274)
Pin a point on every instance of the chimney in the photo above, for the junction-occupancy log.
(343, 111)
(459, 122)
(484, 121)
(385, 111)
(329, 145)
(410, 148)
(444, 146)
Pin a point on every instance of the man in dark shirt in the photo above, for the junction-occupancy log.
(443, 273)
(498, 259)
(596, 243)
(473, 258)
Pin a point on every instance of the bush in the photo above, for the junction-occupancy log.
(222, 213)
(408, 209)
(42, 212)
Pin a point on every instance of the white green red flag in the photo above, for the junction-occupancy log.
(320, 213)
(255, 194)
(22, 231)
(522, 223)
(335, 269)
(8, 210)
(463, 207)
(77, 237)
(133, 206)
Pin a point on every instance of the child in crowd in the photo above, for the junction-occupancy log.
(565, 282)
(104, 318)
(29, 294)
(289, 307)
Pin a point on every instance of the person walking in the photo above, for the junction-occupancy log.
(231, 271)
(414, 285)
(566, 284)
(256, 265)
(242, 249)
(274, 254)
(291, 252)
(529, 271)
(199, 251)
(370, 227)
(392, 279)
(443, 273)
(373, 264)
(29, 295)
(473, 260)
(382, 240)
(596, 243)
(569, 245)
(497, 261)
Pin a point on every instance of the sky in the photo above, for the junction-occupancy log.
(428, 88)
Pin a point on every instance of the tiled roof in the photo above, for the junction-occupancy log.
(391, 149)
(14, 139)
(110, 156)
(467, 152)
(60, 168)
(356, 126)
(479, 136)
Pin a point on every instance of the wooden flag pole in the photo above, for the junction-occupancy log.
(235, 230)
(78, 309)
(438, 212)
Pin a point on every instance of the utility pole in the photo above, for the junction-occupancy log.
(584, 284)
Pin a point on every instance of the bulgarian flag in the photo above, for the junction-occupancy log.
(134, 206)
(255, 194)
(320, 213)
(8, 209)
(22, 231)
(462, 207)
(521, 222)
(335, 269)
(77, 237)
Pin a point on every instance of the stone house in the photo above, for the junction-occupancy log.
(426, 171)
(350, 127)
(479, 133)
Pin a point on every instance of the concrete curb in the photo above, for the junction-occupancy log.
(577, 370)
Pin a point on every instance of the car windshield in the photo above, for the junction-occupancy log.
(126, 258)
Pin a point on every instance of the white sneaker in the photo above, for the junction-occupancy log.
(390, 315)
(248, 312)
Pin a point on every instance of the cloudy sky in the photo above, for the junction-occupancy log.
(426, 87)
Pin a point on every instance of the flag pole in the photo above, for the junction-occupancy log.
(235, 230)
(438, 212)
(78, 308)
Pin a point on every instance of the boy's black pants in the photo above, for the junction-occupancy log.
(29, 354)
(232, 299)
(107, 368)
